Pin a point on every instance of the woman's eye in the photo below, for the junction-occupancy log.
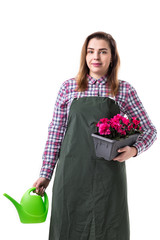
(103, 52)
(90, 51)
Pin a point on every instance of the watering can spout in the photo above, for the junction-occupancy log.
(15, 203)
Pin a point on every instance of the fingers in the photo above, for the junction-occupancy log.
(41, 185)
(40, 191)
(120, 158)
(125, 153)
(123, 149)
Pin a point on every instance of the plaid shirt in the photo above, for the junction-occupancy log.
(127, 100)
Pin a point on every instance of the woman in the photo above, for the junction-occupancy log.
(89, 193)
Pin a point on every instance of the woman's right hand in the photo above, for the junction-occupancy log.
(41, 184)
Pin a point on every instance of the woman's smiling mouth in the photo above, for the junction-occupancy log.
(96, 64)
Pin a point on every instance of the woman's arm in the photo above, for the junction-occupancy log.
(56, 133)
(132, 106)
(135, 108)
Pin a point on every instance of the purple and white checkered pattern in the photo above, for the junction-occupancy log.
(127, 100)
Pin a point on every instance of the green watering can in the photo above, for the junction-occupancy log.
(32, 208)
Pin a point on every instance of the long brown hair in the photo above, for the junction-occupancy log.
(112, 73)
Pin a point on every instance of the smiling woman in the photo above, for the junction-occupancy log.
(98, 57)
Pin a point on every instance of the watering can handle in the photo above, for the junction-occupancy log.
(46, 202)
(31, 190)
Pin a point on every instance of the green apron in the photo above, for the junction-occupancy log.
(89, 193)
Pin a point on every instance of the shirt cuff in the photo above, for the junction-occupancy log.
(140, 147)
(46, 173)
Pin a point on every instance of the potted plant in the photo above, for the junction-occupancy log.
(115, 133)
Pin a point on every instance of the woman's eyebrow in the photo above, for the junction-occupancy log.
(98, 49)
(103, 49)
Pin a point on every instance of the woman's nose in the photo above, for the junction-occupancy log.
(96, 55)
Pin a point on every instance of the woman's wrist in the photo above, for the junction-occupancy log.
(135, 151)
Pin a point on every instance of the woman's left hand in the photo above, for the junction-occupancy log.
(126, 153)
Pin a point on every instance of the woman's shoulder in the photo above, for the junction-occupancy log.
(125, 90)
(69, 84)
(124, 84)
(70, 81)
(125, 87)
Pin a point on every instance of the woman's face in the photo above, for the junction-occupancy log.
(98, 57)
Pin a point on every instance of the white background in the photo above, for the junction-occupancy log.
(40, 44)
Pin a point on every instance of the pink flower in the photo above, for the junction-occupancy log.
(130, 127)
(104, 120)
(125, 121)
(98, 124)
(115, 124)
(117, 117)
(135, 121)
(118, 126)
(104, 129)
(122, 131)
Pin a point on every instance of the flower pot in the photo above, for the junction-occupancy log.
(107, 148)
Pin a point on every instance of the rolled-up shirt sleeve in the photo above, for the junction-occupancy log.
(133, 107)
(56, 133)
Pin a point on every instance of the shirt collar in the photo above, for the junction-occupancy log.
(101, 80)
